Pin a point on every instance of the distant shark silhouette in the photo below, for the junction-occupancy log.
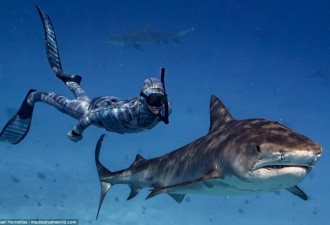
(136, 38)
(235, 157)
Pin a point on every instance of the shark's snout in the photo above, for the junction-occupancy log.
(318, 152)
(315, 152)
(308, 156)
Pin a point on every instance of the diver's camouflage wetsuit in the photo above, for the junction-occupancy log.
(111, 113)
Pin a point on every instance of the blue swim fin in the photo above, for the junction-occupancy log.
(18, 126)
(52, 51)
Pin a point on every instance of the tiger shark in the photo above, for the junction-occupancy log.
(136, 38)
(236, 157)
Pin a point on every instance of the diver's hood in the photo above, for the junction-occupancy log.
(154, 86)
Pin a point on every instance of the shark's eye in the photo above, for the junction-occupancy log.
(258, 148)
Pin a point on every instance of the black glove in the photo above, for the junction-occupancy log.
(74, 136)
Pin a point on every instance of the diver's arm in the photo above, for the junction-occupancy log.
(76, 133)
(73, 136)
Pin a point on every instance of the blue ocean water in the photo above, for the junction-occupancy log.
(263, 59)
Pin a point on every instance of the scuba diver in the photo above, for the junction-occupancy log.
(114, 114)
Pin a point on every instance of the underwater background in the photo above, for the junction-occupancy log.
(263, 59)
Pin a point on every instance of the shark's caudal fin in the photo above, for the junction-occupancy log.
(106, 175)
(103, 172)
(218, 114)
(18, 126)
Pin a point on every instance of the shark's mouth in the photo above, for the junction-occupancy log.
(278, 170)
(279, 176)
(302, 161)
(280, 166)
(277, 167)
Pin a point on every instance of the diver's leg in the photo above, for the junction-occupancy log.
(18, 126)
(75, 108)
(77, 90)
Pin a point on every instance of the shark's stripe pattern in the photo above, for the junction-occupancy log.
(236, 157)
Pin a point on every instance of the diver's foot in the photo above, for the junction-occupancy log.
(69, 78)
(26, 109)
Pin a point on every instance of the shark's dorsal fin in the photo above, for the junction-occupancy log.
(298, 192)
(218, 114)
(138, 160)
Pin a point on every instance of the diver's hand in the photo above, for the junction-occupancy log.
(74, 136)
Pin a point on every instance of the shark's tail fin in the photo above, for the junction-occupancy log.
(103, 173)
(180, 34)
(107, 177)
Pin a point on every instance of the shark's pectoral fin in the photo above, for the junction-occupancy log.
(170, 189)
(298, 192)
(156, 191)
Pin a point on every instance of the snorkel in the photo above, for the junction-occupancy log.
(165, 117)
